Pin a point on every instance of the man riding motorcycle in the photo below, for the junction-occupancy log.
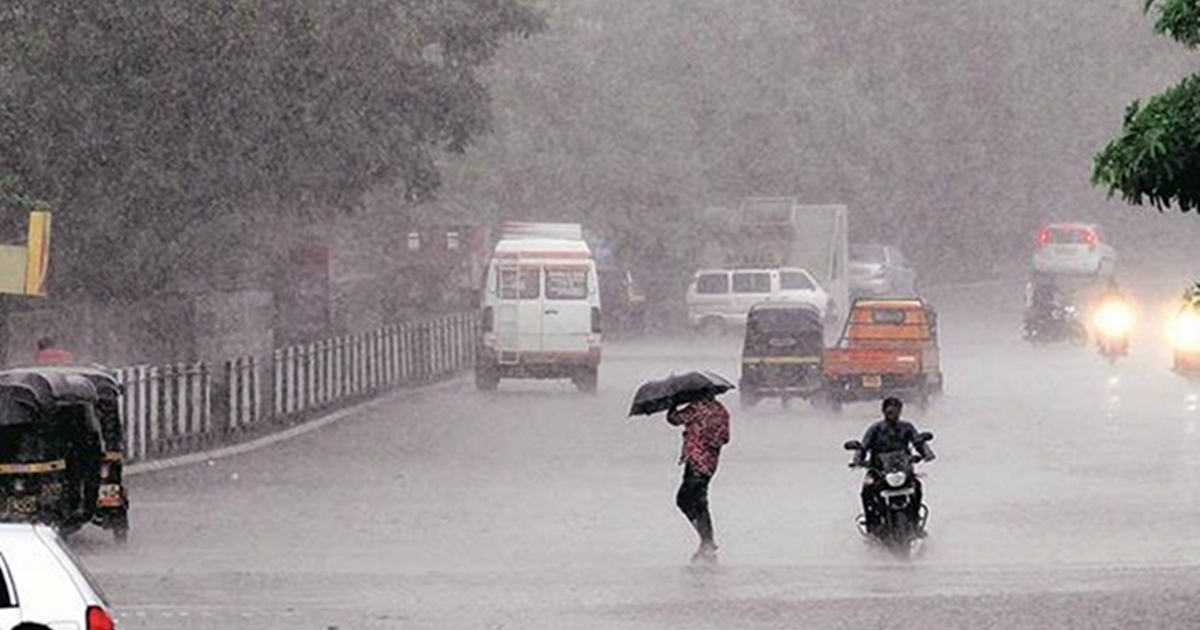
(1113, 320)
(1042, 298)
(885, 436)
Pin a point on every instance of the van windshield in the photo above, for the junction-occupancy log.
(566, 283)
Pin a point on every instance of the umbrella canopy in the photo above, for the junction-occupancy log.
(655, 396)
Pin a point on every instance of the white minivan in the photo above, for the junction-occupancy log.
(541, 307)
(721, 298)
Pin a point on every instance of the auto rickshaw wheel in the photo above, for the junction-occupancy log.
(587, 380)
(121, 529)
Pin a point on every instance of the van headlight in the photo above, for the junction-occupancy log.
(896, 479)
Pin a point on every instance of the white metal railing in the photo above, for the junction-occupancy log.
(178, 408)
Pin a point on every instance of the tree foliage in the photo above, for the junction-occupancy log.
(153, 125)
(1156, 158)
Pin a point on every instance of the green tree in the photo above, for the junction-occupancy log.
(1156, 158)
(167, 133)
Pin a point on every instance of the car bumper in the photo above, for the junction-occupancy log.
(1052, 264)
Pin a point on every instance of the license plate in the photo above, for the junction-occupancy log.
(110, 495)
(872, 380)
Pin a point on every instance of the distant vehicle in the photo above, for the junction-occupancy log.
(889, 347)
(1074, 249)
(781, 353)
(781, 232)
(718, 299)
(541, 307)
(1113, 321)
(880, 271)
(42, 582)
(1185, 336)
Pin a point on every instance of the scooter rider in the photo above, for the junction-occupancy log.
(1042, 297)
(888, 435)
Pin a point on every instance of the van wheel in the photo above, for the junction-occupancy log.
(587, 380)
(486, 378)
(712, 327)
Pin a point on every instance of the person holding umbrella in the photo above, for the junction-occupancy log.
(690, 401)
(705, 425)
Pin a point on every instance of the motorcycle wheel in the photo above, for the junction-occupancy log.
(901, 535)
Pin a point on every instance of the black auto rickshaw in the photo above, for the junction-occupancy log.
(50, 449)
(782, 353)
(112, 500)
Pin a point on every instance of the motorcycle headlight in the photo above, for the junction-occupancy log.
(895, 479)
(1114, 319)
(1186, 331)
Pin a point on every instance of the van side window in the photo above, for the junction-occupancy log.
(795, 281)
(712, 283)
(566, 283)
(752, 282)
(518, 284)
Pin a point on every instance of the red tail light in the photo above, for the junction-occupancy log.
(98, 619)
(1089, 237)
(1043, 237)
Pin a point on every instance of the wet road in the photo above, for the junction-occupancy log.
(1065, 495)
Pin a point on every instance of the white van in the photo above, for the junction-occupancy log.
(718, 299)
(541, 307)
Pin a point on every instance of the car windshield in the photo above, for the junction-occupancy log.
(1068, 235)
(868, 253)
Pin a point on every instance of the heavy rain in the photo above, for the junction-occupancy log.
(575, 313)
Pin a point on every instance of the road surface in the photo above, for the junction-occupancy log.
(1065, 495)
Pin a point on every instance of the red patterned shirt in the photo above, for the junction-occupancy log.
(705, 431)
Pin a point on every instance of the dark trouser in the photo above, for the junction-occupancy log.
(692, 500)
(869, 505)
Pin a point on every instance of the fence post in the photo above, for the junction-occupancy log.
(277, 389)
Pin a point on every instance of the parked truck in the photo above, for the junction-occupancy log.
(777, 232)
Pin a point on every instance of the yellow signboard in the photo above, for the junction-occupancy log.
(38, 260)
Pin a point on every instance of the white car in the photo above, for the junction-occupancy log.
(1074, 249)
(42, 582)
(718, 299)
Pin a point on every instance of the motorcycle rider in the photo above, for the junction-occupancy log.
(1042, 298)
(888, 435)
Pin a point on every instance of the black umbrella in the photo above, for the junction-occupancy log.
(655, 396)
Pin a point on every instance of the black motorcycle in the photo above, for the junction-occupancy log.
(1061, 323)
(896, 515)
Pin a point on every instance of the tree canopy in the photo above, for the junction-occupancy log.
(1156, 157)
(162, 130)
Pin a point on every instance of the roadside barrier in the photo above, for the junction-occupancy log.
(180, 408)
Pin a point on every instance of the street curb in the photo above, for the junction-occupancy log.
(274, 438)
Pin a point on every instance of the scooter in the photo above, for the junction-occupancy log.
(1113, 322)
(1060, 324)
(896, 515)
